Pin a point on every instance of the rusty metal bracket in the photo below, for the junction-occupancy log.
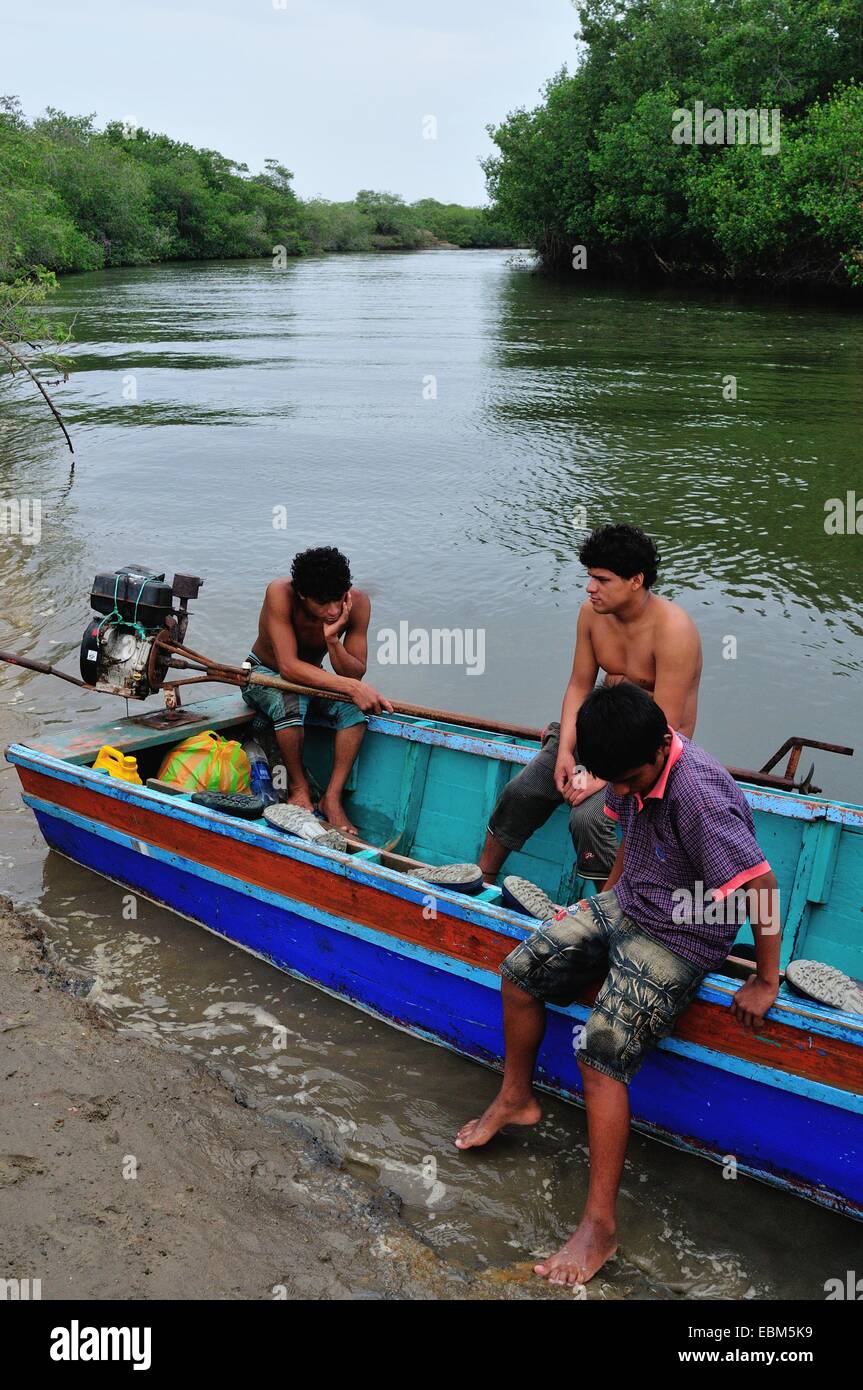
(794, 747)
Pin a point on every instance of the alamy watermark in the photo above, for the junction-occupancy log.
(20, 1290)
(77, 1343)
(843, 516)
(709, 907)
(21, 516)
(850, 1288)
(436, 646)
(733, 126)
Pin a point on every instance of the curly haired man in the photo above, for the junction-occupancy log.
(316, 614)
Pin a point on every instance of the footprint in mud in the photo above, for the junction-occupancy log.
(417, 1184)
(15, 1167)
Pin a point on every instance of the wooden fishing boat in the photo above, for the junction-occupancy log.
(786, 1104)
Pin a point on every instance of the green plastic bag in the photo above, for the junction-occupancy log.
(207, 763)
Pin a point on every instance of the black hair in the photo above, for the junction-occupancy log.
(623, 549)
(322, 574)
(618, 728)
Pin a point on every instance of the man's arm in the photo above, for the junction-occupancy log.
(718, 836)
(585, 668)
(756, 996)
(678, 668)
(350, 658)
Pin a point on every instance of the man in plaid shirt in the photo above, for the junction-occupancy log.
(668, 914)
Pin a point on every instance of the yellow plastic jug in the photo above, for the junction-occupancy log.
(112, 761)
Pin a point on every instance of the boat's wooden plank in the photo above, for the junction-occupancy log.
(827, 840)
(411, 792)
(457, 740)
(452, 807)
(80, 745)
(795, 904)
(497, 775)
(834, 931)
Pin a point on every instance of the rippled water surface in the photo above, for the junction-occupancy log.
(443, 417)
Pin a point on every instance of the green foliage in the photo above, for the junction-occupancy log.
(383, 221)
(36, 228)
(21, 316)
(460, 226)
(393, 223)
(22, 323)
(106, 195)
(594, 163)
(76, 198)
(336, 227)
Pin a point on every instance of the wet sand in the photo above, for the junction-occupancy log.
(229, 1201)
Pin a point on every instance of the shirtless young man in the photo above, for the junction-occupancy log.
(316, 613)
(632, 635)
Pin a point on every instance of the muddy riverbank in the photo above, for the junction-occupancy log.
(127, 1170)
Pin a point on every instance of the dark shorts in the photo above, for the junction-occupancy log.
(285, 711)
(645, 986)
(529, 799)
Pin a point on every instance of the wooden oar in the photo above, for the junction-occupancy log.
(400, 862)
(240, 675)
(388, 859)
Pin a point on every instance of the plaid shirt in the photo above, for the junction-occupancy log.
(693, 831)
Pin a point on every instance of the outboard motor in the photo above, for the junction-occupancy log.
(118, 653)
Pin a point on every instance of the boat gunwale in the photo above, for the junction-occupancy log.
(716, 988)
(476, 742)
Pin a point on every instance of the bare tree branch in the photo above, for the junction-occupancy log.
(16, 357)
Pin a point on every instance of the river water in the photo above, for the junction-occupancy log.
(451, 420)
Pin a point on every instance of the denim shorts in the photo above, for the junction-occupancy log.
(645, 986)
(285, 711)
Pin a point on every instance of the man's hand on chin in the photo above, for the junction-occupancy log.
(333, 631)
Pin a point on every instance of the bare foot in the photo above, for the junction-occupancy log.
(585, 1252)
(301, 796)
(332, 810)
(501, 1112)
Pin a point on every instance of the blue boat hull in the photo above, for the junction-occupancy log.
(790, 1132)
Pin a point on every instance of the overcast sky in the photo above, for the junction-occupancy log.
(336, 89)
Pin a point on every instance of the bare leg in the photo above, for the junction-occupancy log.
(594, 1241)
(492, 857)
(515, 1103)
(346, 748)
(291, 748)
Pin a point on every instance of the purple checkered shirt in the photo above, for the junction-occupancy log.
(693, 829)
